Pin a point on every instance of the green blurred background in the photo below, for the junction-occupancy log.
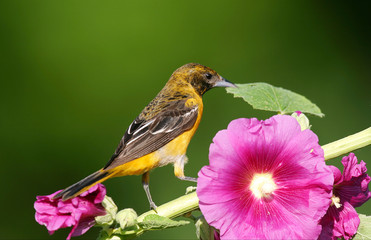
(74, 74)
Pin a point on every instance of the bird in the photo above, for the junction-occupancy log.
(160, 134)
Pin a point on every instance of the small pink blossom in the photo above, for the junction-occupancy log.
(350, 191)
(78, 212)
(266, 180)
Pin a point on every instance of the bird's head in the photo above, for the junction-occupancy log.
(201, 78)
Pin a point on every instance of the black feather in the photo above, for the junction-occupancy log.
(75, 188)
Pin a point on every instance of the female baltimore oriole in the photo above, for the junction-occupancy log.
(161, 133)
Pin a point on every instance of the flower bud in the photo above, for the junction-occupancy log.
(114, 237)
(126, 218)
(302, 120)
(204, 231)
(111, 210)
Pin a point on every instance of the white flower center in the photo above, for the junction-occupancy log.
(262, 185)
(335, 201)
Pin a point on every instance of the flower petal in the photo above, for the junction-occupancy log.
(213, 190)
(340, 222)
(276, 147)
(221, 153)
(353, 187)
(338, 177)
(82, 227)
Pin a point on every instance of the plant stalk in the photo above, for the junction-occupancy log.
(347, 144)
(175, 208)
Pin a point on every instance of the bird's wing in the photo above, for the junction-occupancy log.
(146, 136)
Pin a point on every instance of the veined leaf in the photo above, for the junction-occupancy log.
(364, 229)
(266, 97)
(156, 222)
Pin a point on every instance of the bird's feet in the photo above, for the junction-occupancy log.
(153, 206)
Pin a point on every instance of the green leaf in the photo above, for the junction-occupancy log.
(120, 234)
(266, 97)
(156, 222)
(364, 229)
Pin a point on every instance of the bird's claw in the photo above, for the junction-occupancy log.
(153, 206)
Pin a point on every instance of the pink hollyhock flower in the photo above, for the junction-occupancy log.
(266, 180)
(78, 212)
(350, 191)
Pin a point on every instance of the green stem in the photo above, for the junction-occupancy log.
(347, 144)
(176, 207)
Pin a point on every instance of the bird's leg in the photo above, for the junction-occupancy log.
(145, 182)
(179, 169)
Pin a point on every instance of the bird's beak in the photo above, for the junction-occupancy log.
(224, 83)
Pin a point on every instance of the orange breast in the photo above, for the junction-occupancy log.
(178, 146)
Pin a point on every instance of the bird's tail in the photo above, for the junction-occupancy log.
(83, 185)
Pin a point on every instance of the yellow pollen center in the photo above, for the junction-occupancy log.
(336, 201)
(262, 185)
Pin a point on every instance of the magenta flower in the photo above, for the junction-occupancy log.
(266, 180)
(78, 212)
(350, 191)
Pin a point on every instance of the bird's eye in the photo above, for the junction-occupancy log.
(208, 75)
